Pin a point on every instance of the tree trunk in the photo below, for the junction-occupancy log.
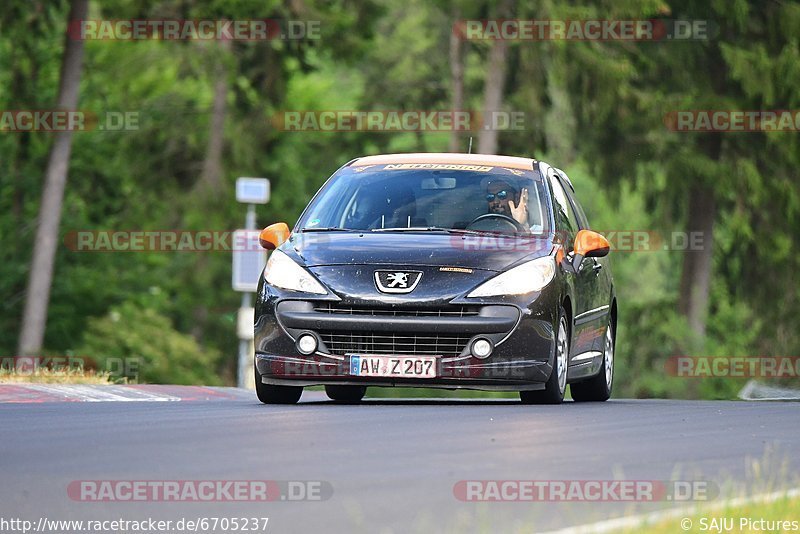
(697, 264)
(492, 97)
(211, 185)
(457, 78)
(211, 179)
(560, 135)
(494, 86)
(34, 317)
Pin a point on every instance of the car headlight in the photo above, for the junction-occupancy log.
(526, 278)
(282, 271)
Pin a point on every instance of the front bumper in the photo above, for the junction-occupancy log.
(522, 332)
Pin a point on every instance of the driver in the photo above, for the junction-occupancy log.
(501, 197)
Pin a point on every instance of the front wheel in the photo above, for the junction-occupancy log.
(269, 394)
(556, 385)
(598, 388)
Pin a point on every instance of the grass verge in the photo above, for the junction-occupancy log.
(776, 516)
(60, 376)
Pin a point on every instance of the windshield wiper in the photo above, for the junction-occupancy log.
(428, 229)
(407, 229)
(461, 231)
(465, 231)
(330, 229)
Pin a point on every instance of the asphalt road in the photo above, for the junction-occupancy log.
(392, 465)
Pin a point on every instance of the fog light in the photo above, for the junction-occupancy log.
(481, 348)
(307, 344)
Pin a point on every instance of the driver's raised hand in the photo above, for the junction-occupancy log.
(520, 211)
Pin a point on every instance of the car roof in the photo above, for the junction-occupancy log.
(447, 159)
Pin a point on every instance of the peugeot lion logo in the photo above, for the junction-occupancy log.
(397, 281)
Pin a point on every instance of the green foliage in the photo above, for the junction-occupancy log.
(595, 109)
(163, 354)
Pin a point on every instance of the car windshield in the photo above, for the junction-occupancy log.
(411, 197)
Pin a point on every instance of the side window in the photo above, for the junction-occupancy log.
(566, 221)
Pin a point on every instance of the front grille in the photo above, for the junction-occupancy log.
(427, 344)
(451, 311)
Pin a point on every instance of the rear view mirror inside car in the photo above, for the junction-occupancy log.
(439, 182)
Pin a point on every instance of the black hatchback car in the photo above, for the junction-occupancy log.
(437, 270)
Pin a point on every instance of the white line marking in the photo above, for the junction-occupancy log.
(86, 393)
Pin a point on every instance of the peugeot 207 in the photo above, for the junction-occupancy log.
(440, 271)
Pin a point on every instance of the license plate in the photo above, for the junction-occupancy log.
(393, 366)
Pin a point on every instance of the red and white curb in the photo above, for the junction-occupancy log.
(36, 393)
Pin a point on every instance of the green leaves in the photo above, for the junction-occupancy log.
(596, 108)
(162, 354)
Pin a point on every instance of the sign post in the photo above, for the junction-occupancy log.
(248, 263)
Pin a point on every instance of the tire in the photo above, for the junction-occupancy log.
(269, 394)
(556, 385)
(598, 388)
(345, 393)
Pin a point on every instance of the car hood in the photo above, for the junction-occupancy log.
(486, 252)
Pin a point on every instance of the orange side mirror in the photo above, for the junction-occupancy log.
(273, 236)
(590, 244)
